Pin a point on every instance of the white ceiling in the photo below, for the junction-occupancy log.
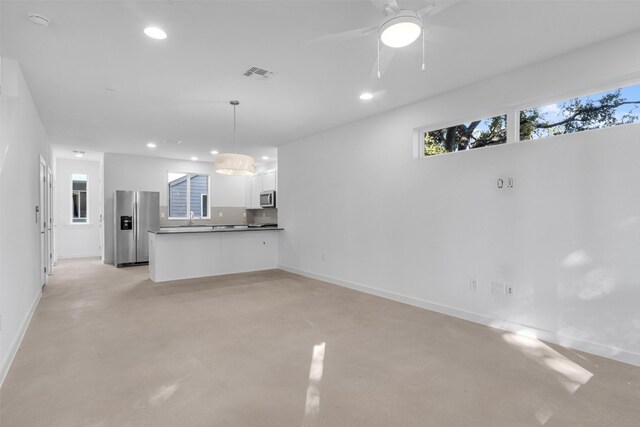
(101, 85)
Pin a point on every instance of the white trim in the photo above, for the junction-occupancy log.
(565, 341)
(15, 345)
(81, 255)
(513, 127)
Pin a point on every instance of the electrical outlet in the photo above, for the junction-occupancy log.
(473, 284)
(497, 288)
(510, 182)
(244, 214)
(161, 214)
(509, 290)
(220, 214)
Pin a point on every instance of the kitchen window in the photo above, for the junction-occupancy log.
(188, 195)
(600, 110)
(79, 198)
(466, 136)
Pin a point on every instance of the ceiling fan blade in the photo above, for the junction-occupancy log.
(345, 35)
(386, 57)
(446, 36)
(386, 7)
(435, 8)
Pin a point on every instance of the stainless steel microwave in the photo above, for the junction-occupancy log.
(268, 199)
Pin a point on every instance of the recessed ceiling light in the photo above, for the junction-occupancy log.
(194, 158)
(79, 155)
(155, 33)
(265, 157)
(151, 145)
(366, 96)
(214, 152)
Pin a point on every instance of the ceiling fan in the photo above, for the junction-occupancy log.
(398, 28)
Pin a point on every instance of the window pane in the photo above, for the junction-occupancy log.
(199, 188)
(205, 206)
(596, 111)
(177, 195)
(83, 204)
(78, 198)
(76, 205)
(475, 134)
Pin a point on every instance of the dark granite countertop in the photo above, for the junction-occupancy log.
(211, 229)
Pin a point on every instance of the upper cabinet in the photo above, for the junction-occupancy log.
(269, 181)
(264, 181)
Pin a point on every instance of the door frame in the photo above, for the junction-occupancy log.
(50, 210)
(41, 220)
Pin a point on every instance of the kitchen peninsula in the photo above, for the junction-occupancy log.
(189, 252)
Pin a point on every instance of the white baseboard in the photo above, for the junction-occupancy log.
(552, 337)
(15, 345)
(69, 256)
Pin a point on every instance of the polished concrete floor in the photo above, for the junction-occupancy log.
(108, 347)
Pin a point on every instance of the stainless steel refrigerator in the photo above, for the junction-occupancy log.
(136, 212)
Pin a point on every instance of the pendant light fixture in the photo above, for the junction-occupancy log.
(234, 163)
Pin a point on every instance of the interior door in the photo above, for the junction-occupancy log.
(41, 219)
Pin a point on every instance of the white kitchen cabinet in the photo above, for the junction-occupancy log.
(265, 181)
(248, 193)
(256, 188)
(269, 181)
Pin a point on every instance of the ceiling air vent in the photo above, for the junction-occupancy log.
(38, 19)
(258, 73)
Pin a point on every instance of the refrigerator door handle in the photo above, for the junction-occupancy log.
(137, 218)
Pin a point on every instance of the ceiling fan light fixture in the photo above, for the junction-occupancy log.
(401, 29)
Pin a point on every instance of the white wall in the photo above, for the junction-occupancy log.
(360, 210)
(142, 173)
(77, 240)
(22, 142)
